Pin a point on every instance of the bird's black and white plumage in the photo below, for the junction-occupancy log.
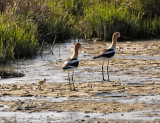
(106, 54)
(71, 64)
(109, 53)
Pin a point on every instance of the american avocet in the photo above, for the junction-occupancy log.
(40, 83)
(109, 53)
(72, 63)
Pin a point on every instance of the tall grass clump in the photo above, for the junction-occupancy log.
(137, 19)
(25, 23)
(59, 23)
(51, 17)
(16, 41)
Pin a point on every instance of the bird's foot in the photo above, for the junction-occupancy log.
(106, 80)
(103, 80)
(110, 80)
(73, 89)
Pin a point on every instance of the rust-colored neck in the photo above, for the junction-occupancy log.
(114, 39)
(75, 54)
(76, 48)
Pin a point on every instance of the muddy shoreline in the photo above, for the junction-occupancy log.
(133, 90)
(88, 97)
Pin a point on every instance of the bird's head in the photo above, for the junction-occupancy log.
(77, 45)
(116, 34)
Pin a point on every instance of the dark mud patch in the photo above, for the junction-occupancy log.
(10, 74)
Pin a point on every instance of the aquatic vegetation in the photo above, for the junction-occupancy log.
(26, 24)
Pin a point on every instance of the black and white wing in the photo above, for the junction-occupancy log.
(109, 53)
(70, 63)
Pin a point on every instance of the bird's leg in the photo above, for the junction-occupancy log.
(107, 70)
(73, 81)
(39, 87)
(69, 82)
(103, 72)
(59, 51)
(72, 75)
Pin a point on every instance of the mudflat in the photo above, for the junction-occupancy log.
(134, 86)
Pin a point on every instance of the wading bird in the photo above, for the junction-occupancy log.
(109, 53)
(40, 83)
(72, 63)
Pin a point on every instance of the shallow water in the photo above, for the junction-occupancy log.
(73, 116)
(47, 99)
(107, 97)
(49, 66)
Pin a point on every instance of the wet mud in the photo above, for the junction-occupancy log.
(132, 95)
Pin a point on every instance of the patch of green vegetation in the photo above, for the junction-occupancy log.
(17, 39)
(137, 19)
(25, 24)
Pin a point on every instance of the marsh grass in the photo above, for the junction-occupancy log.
(25, 24)
(137, 19)
(17, 41)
